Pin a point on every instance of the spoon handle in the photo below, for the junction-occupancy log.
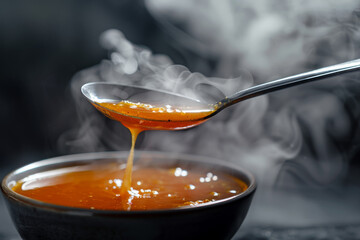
(291, 81)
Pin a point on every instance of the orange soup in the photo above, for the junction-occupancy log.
(99, 187)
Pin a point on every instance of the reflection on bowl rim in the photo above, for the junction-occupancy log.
(121, 154)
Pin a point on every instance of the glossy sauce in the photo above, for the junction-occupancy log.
(99, 187)
(148, 117)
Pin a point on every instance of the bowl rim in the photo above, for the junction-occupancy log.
(8, 192)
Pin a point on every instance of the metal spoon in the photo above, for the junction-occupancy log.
(112, 92)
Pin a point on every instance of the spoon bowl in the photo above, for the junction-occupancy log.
(151, 109)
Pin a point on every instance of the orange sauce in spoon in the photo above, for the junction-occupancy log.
(148, 117)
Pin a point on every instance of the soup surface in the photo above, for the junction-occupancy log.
(99, 187)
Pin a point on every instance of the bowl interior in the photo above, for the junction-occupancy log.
(142, 159)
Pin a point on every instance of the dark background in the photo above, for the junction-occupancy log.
(42, 45)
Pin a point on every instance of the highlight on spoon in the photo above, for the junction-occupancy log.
(146, 109)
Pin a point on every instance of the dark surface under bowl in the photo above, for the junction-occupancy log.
(38, 220)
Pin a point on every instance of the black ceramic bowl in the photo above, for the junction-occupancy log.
(39, 220)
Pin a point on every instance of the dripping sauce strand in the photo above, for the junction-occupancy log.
(125, 190)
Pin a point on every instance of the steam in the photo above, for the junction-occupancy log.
(134, 65)
(263, 35)
(295, 132)
(287, 139)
